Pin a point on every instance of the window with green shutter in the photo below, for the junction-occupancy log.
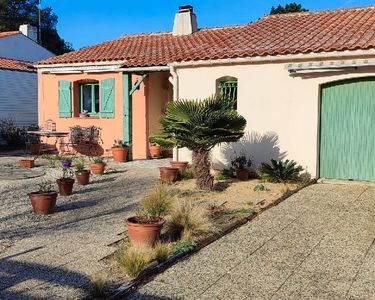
(65, 99)
(89, 98)
(107, 98)
(227, 86)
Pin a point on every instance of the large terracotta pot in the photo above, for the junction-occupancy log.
(97, 168)
(43, 202)
(168, 174)
(83, 177)
(155, 151)
(242, 174)
(65, 186)
(119, 154)
(144, 233)
(35, 149)
(26, 163)
(180, 165)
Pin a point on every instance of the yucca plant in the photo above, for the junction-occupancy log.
(283, 171)
(200, 125)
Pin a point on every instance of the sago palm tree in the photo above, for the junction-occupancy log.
(199, 125)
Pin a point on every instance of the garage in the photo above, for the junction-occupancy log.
(347, 130)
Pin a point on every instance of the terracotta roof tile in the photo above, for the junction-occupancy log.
(16, 65)
(8, 33)
(321, 31)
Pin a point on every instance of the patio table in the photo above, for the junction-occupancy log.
(57, 135)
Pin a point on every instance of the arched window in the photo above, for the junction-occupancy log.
(227, 86)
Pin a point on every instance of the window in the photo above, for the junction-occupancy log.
(89, 98)
(227, 86)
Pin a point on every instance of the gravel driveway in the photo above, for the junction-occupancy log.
(318, 244)
(51, 257)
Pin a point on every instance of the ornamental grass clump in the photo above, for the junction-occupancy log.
(134, 260)
(161, 252)
(155, 204)
(188, 222)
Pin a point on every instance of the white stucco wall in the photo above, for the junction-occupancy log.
(282, 112)
(19, 97)
(22, 48)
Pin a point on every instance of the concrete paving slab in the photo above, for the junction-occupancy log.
(315, 245)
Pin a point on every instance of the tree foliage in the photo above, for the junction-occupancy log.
(199, 126)
(14, 13)
(288, 8)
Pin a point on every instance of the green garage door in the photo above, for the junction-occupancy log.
(347, 130)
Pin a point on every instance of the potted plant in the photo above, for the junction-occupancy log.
(145, 227)
(168, 174)
(241, 165)
(82, 174)
(43, 201)
(98, 166)
(154, 147)
(119, 151)
(27, 163)
(65, 183)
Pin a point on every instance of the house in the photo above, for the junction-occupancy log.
(18, 78)
(305, 82)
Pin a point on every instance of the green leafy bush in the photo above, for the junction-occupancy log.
(183, 247)
(241, 162)
(283, 171)
(225, 174)
(15, 137)
(187, 174)
(260, 188)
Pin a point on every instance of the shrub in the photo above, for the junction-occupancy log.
(304, 178)
(281, 171)
(225, 174)
(183, 247)
(187, 222)
(260, 188)
(162, 252)
(187, 174)
(14, 136)
(98, 160)
(156, 203)
(134, 260)
(241, 162)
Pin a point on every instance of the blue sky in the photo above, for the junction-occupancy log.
(88, 22)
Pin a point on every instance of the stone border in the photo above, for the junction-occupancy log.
(154, 269)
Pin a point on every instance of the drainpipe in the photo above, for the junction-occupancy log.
(174, 81)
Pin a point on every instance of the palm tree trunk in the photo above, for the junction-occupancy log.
(201, 168)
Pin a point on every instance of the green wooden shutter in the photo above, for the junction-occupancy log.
(65, 99)
(347, 127)
(107, 98)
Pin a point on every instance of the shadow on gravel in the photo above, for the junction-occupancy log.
(76, 205)
(15, 272)
(139, 296)
(105, 180)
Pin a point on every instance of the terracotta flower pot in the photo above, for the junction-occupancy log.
(168, 174)
(97, 168)
(242, 174)
(83, 177)
(119, 154)
(26, 163)
(35, 149)
(155, 151)
(144, 233)
(180, 165)
(65, 186)
(43, 202)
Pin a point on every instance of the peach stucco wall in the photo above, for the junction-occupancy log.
(148, 102)
(282, 112)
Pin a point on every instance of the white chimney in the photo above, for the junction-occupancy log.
(185, 21)
(30, 31)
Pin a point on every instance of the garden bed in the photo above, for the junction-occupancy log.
(232, 204)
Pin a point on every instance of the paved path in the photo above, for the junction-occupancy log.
(318, 244)
(51, 257)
